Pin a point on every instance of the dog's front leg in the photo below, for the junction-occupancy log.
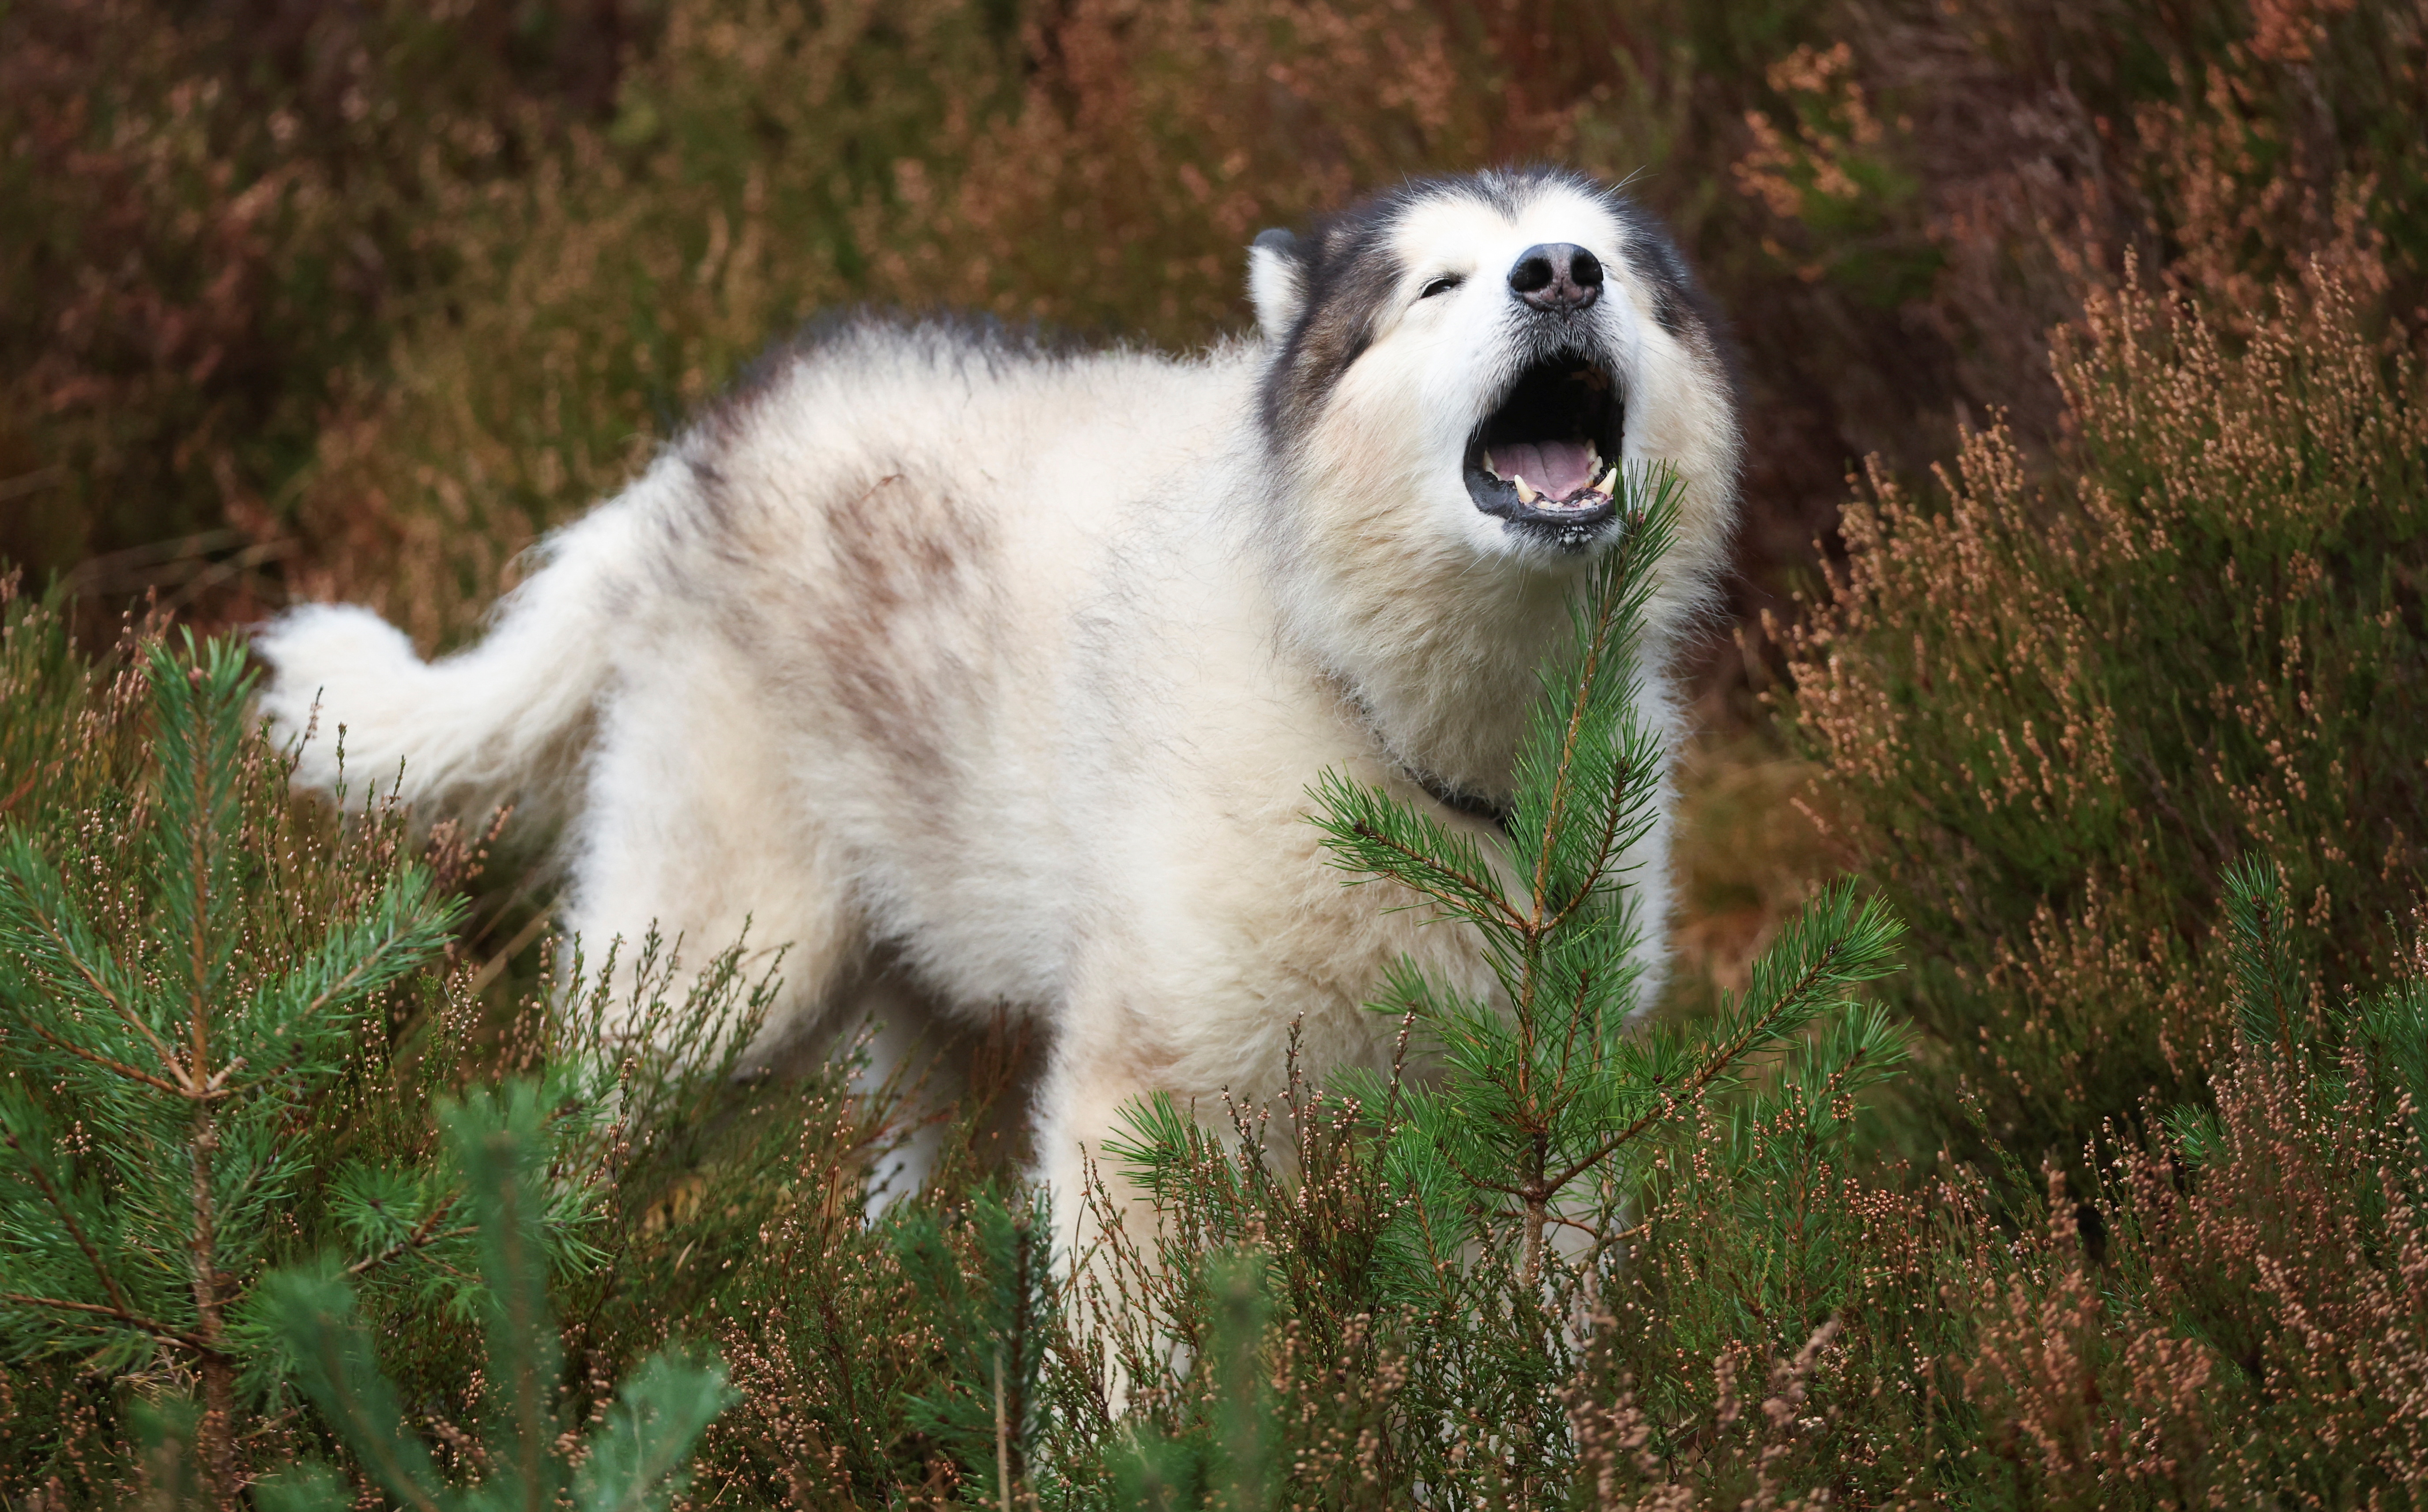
(1091, 1080)
(1108, 1232)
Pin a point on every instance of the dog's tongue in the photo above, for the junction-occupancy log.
(1554, 469)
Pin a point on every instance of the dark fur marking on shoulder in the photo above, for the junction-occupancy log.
(715, 518)
(714, 490)
(901, 563)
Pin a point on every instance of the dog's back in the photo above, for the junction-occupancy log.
(851, 589)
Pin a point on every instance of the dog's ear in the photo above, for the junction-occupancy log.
(1277, 282)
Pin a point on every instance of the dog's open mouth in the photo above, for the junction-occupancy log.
(1549, 455)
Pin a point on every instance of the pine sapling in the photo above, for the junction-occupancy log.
(635, 1461)
(1235, 1468)
(1549, 1086)
(154, 1064)
(993, 1294)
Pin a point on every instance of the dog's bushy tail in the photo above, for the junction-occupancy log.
(501, 722)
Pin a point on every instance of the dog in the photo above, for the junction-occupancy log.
(1014, 663)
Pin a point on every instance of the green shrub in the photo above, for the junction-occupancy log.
(1439, 1254)
(163, 900)
(2057, 705)
(175, 1048)
(527, 1456)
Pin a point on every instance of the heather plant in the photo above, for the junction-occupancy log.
(2058, 704)
(2226, 1313)
(218, 217)
(829, 1341)
(357, 299)
(2234, 1316)
(1759, 1311)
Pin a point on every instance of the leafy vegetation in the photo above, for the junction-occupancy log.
(2207, 643)
(1432, 1241)
(231, 1032)
(353, 301)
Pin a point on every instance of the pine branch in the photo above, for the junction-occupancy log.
(22, 869)
(1563, 771)
(424, 1233)
(217, 1426)
(1588, 880)
(632, 1463)
(106, 1063)
(1614, 604)
(67, 1218)
(119, 1315)
(1417, 862)
(638, 1458)
(337, 1372)
(2268, 995)
(1359, 824)
(1862, 941)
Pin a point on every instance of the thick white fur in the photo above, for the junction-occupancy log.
(1020, 669)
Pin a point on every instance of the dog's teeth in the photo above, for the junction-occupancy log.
(1609, 481)
(1490, 468)
(1525, 495)
(1593, 454)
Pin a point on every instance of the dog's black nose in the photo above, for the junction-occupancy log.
(1558, 276)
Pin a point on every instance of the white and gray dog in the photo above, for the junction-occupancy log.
(1014, 664)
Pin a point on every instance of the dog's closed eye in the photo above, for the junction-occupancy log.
(1442, 284)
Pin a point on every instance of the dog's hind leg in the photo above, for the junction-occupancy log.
(916, 1066)
(695, 823)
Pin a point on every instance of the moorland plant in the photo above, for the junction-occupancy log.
(2104, 683)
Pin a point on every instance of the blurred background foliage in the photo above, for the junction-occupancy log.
(319, 299)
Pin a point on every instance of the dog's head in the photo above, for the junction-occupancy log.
(1462, 363)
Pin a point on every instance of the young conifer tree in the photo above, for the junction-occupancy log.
(153, 1063)
(634, 1460)
(1554, 1096)
(1550, 1085)
(986, 1406)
